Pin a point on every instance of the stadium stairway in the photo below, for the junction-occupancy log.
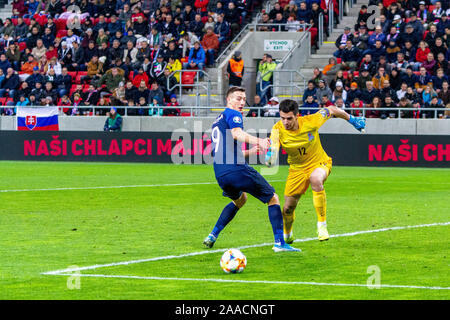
(6, 9)
(320, 58)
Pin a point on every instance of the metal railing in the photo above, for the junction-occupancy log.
(193, 111)
(291, 84)
(197, 84)
(320, 31)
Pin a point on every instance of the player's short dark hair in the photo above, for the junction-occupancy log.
(234, 89)
(289, 105)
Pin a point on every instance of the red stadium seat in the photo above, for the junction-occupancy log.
(72, 89)
(417, 73)
(61, 34)
(2, 101)
(27, 21)
(9, 100)
(79, 75)
(14, 21)
(85, 88)
(345, 74)
(60, 24)
(338, 60)
(356, 74)
(73, 74)
(187, 78)
(185, 114)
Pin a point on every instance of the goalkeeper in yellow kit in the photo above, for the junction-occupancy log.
(309, 164)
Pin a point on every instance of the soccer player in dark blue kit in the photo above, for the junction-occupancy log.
(235, 176)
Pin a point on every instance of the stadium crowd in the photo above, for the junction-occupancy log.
(401, 62)
(75, 53)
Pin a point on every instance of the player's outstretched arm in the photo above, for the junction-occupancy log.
(242, 136)
(358, 122)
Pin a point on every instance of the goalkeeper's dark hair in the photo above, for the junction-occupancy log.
(289, 105)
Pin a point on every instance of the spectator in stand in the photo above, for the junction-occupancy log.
(404, 103)
(271, 109)
(402, 91)
(444, 93)
(111, 79)
(341, 41)
(309, 106)
(390, 113)
(350, 56)
(210, 43)
(235, 69)
(331, 69)
(156, 93)
(63, 82)
(356, 104)
(423, 79)
(9, 84)
(353, 93)
(339, 92)
(157, 68)
(323, 90)
(232, 16)
(363, 16)
(364, 76)
(369, 93)
(379, 78)
(4, 63)
(422, 52)
(172, 111)
(196, 58)
(317, 76)
(430, 64)
(309, 91)
(256, 109)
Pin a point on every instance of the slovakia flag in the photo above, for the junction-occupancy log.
(37, 118)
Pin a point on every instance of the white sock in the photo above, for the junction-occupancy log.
(319, 224)
(287, 235)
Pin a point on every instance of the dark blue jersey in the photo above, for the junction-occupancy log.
(227, 152)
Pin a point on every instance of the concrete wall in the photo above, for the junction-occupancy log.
(374, 126)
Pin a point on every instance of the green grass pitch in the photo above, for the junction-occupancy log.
(81, 226)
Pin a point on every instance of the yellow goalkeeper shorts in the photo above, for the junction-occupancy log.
(298, 180)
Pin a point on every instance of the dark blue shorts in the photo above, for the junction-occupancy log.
(247, 180)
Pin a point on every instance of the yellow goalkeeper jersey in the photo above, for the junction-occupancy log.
(303, 145)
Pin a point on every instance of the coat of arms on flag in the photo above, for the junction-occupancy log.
(37, 118)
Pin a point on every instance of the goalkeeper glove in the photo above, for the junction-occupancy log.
(269, 154)
(358, 122)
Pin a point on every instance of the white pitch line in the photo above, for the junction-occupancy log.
(120, 187)
(255, 281)
(348, 234)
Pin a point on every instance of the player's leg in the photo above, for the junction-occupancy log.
(228, 214)
(258, 187)
(317, 179)
(239, 199)
(290, 203)
(297, 183)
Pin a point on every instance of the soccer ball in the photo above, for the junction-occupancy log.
(233, 261)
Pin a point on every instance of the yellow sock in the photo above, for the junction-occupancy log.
(320, 204)
(288, 221)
